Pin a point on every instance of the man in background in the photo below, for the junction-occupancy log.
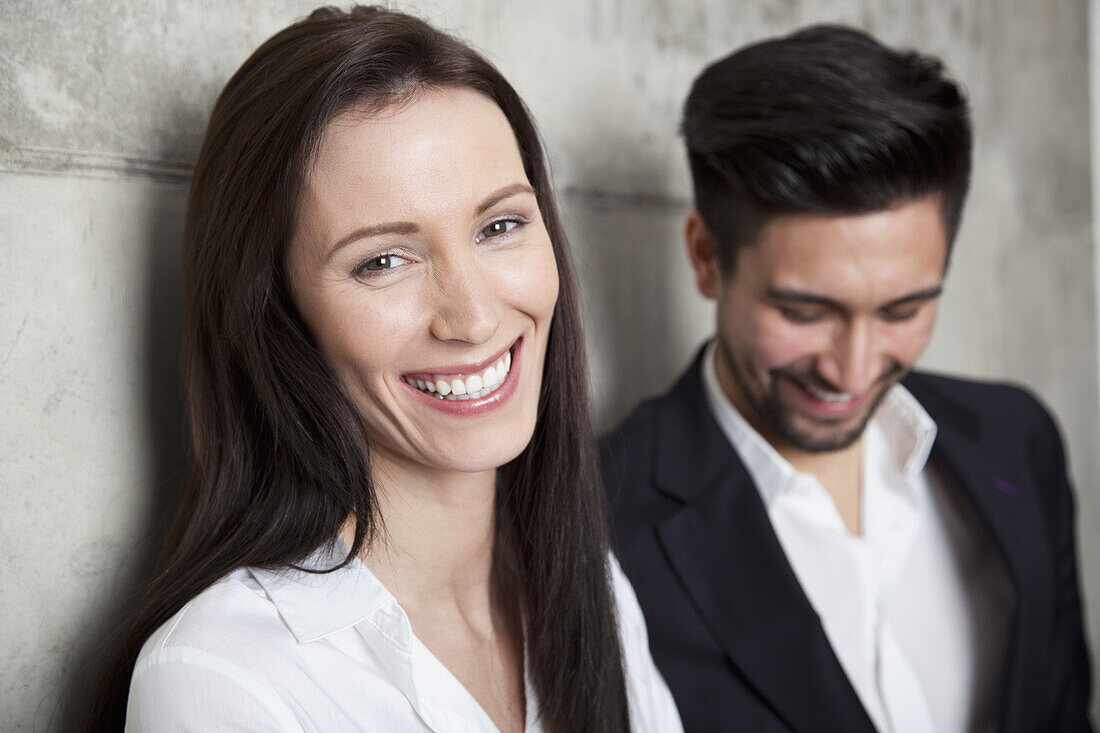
(821, 539)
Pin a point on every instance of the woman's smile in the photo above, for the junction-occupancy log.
(469, 390)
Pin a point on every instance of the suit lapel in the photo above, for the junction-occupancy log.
(1002, 493)
(722, 546)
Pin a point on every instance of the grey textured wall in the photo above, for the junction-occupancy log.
(103, 105)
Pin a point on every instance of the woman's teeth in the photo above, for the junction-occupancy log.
(825, 395)
(472, 387)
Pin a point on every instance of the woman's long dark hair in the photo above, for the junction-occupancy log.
(279, 458)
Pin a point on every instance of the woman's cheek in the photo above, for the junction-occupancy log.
(373, 330)
(533, 282)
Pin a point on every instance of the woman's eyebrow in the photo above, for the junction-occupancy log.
(500, 194)
(408, 227)
(397, 227)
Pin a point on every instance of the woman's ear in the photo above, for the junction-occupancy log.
(702, 250)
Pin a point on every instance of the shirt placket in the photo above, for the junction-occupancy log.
(892, 515)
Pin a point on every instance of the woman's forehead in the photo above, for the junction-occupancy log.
(434, 156)
(436, 135)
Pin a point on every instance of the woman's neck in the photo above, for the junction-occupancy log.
(435, 555)
(435, 547)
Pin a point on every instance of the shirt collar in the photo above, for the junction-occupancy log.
(771, 473)
(314, 605)
(908, 428)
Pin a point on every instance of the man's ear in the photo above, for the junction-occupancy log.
(702, 250)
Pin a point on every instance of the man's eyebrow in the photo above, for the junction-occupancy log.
(919, 296)
(407, 227)
(800, 296)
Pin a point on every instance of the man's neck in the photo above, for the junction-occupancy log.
(839, 473)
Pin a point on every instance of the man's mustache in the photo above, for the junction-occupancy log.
(893, 372)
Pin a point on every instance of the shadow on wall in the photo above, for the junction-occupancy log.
(643, 317)
(163, 434)
(638, 299)
(623, 206)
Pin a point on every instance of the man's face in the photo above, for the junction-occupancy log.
(821, 315)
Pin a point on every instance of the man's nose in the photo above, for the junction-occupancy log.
(853, 363)
(465, 308)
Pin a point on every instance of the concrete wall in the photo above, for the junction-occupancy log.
(103, 105)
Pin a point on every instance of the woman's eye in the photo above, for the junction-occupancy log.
(497, 228)
(380, 263)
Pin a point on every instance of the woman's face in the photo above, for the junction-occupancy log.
(422, 269)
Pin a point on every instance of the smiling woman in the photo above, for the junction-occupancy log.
(392, 519)
(449, 268)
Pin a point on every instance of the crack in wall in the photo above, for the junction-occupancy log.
(51, 161)
(38, 160)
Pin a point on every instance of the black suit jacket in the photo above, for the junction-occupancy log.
(730, 627)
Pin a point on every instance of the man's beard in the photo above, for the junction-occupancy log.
(777, 416)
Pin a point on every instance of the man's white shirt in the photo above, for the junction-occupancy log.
(917, 607)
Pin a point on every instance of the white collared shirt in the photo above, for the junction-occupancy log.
(917, 607)
(290, 651)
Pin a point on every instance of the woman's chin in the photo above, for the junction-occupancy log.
(488, 457)
(475, 452)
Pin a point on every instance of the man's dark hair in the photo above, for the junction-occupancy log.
(826, 120)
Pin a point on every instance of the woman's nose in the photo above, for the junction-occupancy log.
(465, 307)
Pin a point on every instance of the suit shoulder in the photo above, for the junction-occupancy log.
(1007, 417)
(636, 427)
(992, 401)
(626, 451)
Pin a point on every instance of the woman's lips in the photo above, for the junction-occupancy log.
(466, 392)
